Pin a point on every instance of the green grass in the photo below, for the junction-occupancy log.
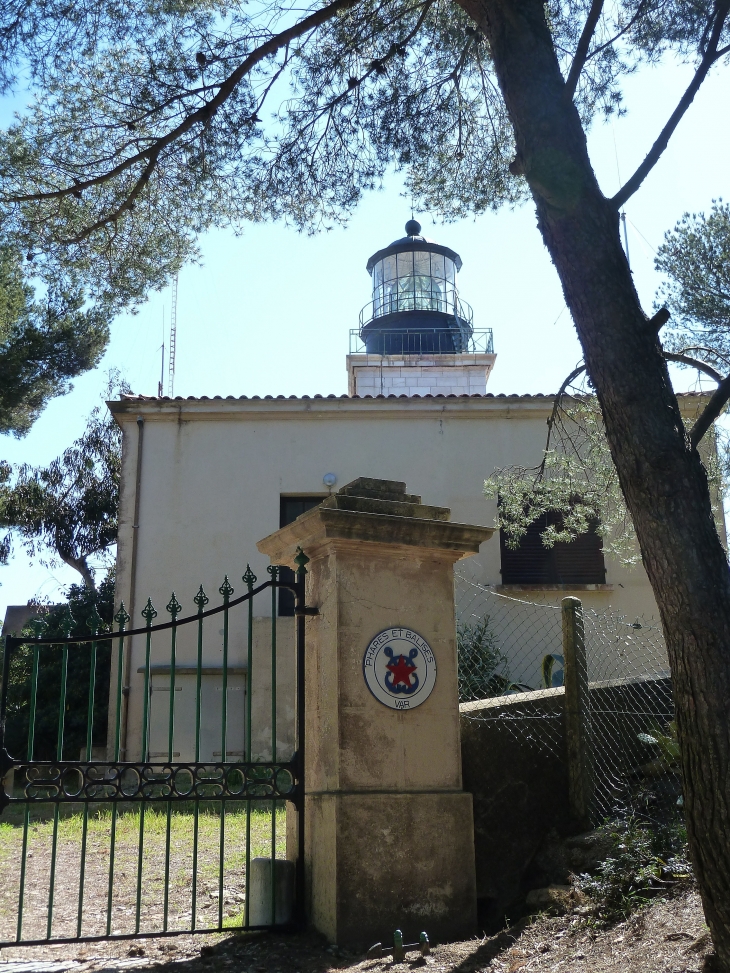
(7, 832)
(182, 824)
(71, 823)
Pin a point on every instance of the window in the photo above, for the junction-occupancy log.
(579, 562)
(289, 509)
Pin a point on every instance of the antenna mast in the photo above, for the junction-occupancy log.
(173, 342)
(161, 383)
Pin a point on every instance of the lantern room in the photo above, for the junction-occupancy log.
(415, 308)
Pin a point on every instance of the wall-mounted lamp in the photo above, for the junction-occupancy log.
(329, 480)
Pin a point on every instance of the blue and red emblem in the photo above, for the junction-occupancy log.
(399, 668)
(402, 676)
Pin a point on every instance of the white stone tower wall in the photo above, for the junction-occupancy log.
(436, 374)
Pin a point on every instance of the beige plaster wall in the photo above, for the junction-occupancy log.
(212, 687)
(213, 471)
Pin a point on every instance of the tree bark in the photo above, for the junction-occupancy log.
(81, 565)
(661, 474)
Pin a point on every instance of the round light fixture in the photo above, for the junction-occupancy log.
(329, 480)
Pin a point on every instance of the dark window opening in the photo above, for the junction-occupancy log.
(289, 509)
(578, 562)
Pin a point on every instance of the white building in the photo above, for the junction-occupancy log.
(204, 479)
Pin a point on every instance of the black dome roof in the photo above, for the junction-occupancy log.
(413, 241)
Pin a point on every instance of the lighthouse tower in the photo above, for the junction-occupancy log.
(416, 336)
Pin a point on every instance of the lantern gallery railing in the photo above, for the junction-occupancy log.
(143, 769)
(418, 300)
(420, 341)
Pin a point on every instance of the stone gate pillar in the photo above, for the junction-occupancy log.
(388, 830)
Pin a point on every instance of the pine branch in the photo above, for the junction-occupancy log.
(127, 205)
(714, 407)
(720, 398)
(375, 68)
(554, 414)
(711, 55)
(202, 115)
(581, 51)
(619, 34)
(694, 363)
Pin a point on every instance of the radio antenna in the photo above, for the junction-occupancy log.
(173, 340)
(161, 383)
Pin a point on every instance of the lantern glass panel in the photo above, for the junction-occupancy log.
(417, 280)
(422, 263)
(405, 264)
(388, 265)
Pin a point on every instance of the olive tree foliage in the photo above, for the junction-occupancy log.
(576, 476)
(67, 511)
(151, 123)
(576, 479)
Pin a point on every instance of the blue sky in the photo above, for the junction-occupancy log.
(269, 311)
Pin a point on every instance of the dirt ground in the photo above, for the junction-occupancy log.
(68, 903)
(668, 936)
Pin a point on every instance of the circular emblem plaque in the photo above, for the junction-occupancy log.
(399, 668)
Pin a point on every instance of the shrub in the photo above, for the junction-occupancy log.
(483, 668)
(81, 603)
(647, 859)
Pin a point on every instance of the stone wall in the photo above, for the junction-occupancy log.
(519, 788)
(513, 763)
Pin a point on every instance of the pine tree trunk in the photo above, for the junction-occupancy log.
(662, 477)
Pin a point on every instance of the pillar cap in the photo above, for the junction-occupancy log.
(368, 486)
(347, 520)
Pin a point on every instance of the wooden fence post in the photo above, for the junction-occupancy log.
(577, 714)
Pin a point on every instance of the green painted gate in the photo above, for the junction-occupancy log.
(96, 845)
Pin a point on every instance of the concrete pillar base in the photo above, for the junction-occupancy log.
(391, 861)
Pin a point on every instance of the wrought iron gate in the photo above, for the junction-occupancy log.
(105, 846)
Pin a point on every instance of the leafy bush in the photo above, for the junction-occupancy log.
(666, 745)
(646, 860)
(483, 667)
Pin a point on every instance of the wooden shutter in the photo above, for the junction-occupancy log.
(289, 509)
(579, 562)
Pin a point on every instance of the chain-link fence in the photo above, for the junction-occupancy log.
(503, 643)
(635, 751)
(511, 672)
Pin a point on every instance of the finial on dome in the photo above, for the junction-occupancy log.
(413, 228)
